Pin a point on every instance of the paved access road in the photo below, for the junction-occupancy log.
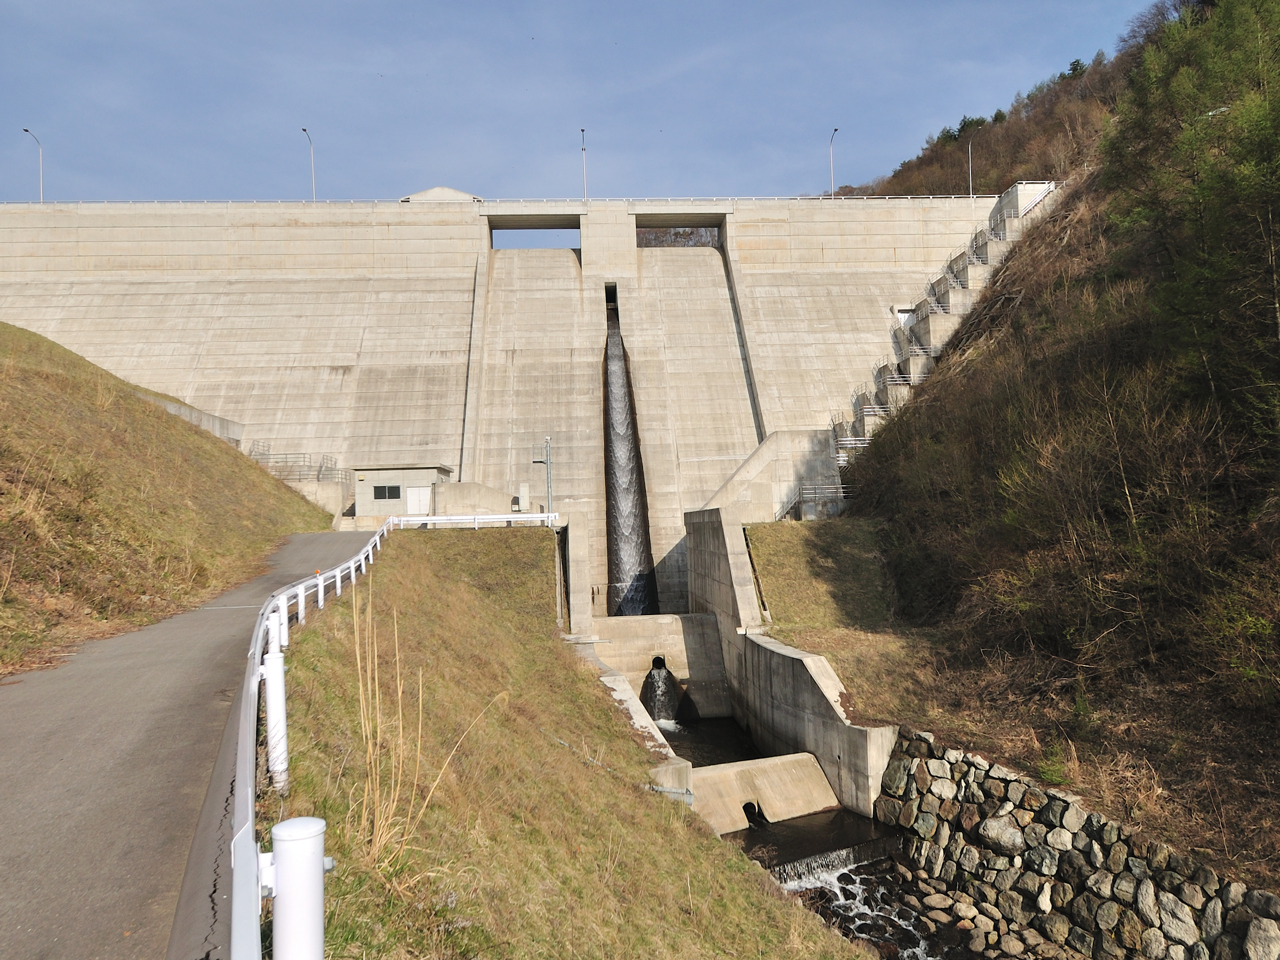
(105, 766)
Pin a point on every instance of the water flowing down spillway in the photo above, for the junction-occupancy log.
(632, 587)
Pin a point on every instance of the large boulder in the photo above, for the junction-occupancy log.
(1263, 940)
(1002, 835)
(1177, 921)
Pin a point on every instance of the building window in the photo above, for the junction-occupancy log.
(386, 493)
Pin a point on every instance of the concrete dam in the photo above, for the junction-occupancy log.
(393, 333)
(684, 390)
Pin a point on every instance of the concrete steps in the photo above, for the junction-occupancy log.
(948, 298)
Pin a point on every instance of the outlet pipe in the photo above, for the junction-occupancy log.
(298, 865)
(277, 732)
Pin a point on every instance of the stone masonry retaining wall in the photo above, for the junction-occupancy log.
(1027, 869)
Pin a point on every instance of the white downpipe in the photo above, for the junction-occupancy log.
(299, 865)
(277, 730)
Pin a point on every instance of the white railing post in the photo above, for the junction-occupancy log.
(319, 590)
(302, 605)
(299, 864)
(273, 633)
(337, 582)
(282, 615)
(277, 731)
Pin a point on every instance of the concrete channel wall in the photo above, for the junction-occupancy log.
(789, 700)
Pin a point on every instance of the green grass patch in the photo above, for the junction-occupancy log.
(448, 680)
(821, 575)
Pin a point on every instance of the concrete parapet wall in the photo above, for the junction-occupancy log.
(781, 788)
(768, 480)
(331, 495)
(220, 427)
(468, 498)
(789, 700)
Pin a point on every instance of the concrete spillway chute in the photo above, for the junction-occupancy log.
(632, 585)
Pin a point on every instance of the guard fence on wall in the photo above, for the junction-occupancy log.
(293, 873)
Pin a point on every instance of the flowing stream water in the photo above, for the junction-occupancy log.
(843, 867)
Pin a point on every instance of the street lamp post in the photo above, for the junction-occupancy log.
(971, 139)
(313, 165)
(831, 156)
(583, 131)
(546, 459)
(40, 147)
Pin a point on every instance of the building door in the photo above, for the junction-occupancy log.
(420, 501)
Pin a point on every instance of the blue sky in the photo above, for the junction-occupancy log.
(142, 100)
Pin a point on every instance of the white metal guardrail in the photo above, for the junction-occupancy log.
(293, 873)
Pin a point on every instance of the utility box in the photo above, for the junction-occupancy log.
(398, 490)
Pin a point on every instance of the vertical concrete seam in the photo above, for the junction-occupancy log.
(730, 272)
(472, 383)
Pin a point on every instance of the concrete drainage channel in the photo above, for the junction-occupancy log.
(919, 849)
(849, 868)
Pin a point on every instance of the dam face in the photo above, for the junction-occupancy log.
(392, 333)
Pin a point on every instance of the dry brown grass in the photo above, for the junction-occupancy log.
(517, 823)
(114, 513)
(1164, 753)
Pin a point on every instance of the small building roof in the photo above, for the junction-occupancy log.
(437, 467)
(438, 194)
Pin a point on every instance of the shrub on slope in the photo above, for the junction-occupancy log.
(113, 512)
(1091, 474)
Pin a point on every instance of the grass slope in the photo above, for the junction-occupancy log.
(113, 512)
(539, 839)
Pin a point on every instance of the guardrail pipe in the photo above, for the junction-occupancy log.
(297, 920)
(277, 731)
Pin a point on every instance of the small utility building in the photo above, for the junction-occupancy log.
(404, 490)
